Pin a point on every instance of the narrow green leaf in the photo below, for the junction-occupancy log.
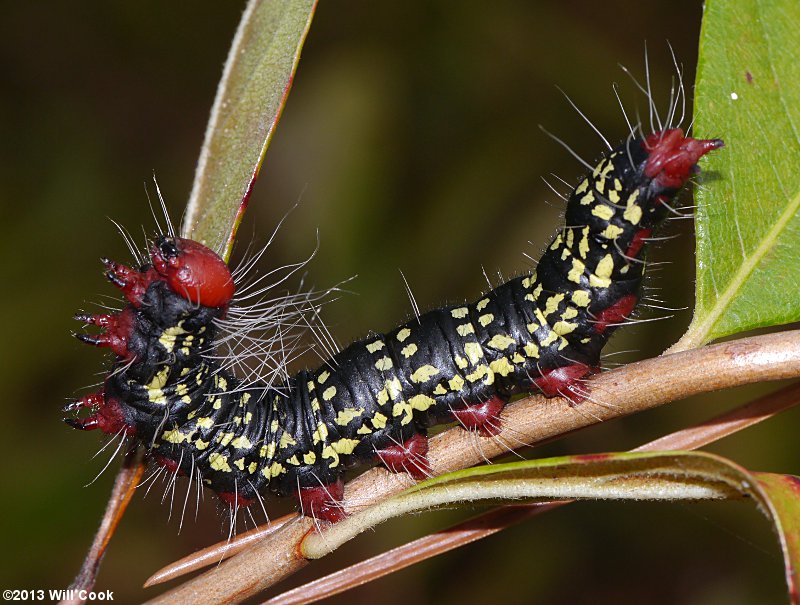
(748, 228)
(615, 476)
(255, 83)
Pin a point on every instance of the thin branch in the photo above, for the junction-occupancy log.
(503, 517)
(631, 389)
(125, 484)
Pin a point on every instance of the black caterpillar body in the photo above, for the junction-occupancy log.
(376, 398)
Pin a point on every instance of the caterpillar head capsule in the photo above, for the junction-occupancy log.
(673, 156)
(193, 271)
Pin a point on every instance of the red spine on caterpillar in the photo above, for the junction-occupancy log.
(193, 271)
(673, 156)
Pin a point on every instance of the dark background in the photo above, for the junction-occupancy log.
(412, 141)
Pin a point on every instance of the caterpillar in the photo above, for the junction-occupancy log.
(374, 400)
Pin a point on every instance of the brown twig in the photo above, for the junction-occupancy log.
(618, 393)
(125, 484)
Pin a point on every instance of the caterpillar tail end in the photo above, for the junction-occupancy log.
(673, 157)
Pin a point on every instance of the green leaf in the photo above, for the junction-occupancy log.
(616, 476)
(255, 83)
(748, 229)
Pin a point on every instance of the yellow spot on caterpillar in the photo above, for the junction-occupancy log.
(159, 380)
(225, 438)
(383, 397)
(517, 358)
(456, 383)
(617, 184)
(383, 364)
(576, 272)
(421, 402)
(459, 313)
(465, 329)
(379, 420)
(538, 290)
(501, 366)
(168, 337)
(461, 362)
(485, 320)
(482, 371)
(408, 350)
(219, 462)
(603, 212)
(315, 404)
(581, 298)
(555, 245)
(500, 342)
(440, 390)
(309, 458)
(582, 187)
(526, 282)
(174, 436)
(220, 381)
(321, 434)
(588, 199)
(310, 385)
(286, 440)
(570, 238)
(531, 350)
(267, 450)
(424, 373)
(184, 372)
(217, 403)
(482, 304)
(565, 253)
(294, 461)
(329, 393)
(323, 377)
(181, 389)
(473, 351)
(403, 334)
(569, 313)
(241, 443)
(532, 327)
(633, 214)
(612, 232)
(239, 463)
(205, 422)
(251, 468)
(200, 444)
(613, 197)
(375, 346)
(363, 430)
(549, 339)
(191, 414)
(394, 387)
(273, 470)
(248, 417)
(564, 327)
(347, 414)
(552, 303)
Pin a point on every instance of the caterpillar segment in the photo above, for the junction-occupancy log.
(374, 400)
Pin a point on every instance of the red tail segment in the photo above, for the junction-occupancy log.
(673, 157)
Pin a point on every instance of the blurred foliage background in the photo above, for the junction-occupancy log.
(412, 142)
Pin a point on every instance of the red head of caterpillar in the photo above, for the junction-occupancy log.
(193, 271)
